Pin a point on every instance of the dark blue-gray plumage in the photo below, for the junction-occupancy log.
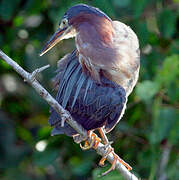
(94, 81)
(83, 8)
(91, 104)
(97, 78)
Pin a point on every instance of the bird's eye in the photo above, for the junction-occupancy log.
(64, 23)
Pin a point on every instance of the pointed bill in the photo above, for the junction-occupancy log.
(59, 35)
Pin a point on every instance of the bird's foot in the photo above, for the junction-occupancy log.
(108, 145)
(115, 159)
(94, 142)
(78, 138)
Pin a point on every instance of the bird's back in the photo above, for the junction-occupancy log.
(124, 68)
(91, 104)
(111, 47)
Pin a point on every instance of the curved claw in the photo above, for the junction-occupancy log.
(125, 164)
(103, 159)
(86, 146)
(93, 144)
(116, 157)
(113, 166)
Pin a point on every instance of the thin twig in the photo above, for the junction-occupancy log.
(37, 71)
(30, 78)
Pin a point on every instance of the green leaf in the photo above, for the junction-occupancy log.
(138, 7)
(174, 133)
(24, 134)
(165, 119)
(44, 132)
(168, 77)
(7, 8)
(46, 157)
(169, 70)
(18, 20)
(114, 175)
(142, 29)
(166, 22)
(35, 6)
(122, 4)
(106, 7)
(80, 167)
(146, 90)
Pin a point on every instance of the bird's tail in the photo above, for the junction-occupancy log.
(70, 79)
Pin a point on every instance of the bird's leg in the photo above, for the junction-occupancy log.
(110, 150)
(93, 143)
(115, 159)
(106, 143)
(113, 166)
(104, 137)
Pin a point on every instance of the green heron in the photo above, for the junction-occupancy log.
(95, 80)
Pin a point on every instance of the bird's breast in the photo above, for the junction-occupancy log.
(118, 60)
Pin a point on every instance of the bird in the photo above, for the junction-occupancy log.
(94, 81)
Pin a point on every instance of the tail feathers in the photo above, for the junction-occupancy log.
(88, 87)
(70, 84)
(79, 84)
(91, 104)
(55, 120)
(65, 78)
(67, 130)
(70, 80)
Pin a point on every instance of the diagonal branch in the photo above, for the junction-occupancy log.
(65, 115)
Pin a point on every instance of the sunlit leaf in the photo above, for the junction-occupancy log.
(18, 20)
(24, 134)
(147, 89)
(44, 132)
(168, 76)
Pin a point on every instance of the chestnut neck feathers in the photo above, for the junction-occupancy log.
(107, 46)
(96, 28)
(94, 39)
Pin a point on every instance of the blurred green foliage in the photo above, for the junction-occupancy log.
(147, 136)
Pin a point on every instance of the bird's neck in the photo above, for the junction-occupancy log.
(97, 30)
(94, 41)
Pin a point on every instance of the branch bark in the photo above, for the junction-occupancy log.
(65, 115)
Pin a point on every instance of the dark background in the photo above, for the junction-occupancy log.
(146, 137)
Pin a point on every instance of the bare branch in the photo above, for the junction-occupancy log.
(37, 71)
(65, 115)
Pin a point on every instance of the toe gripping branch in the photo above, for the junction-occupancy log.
(115, 159)
(93, 143)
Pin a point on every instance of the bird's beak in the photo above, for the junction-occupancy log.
(60, 34)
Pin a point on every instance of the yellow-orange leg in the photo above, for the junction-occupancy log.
(110, 150)
(94, 142)
(113, 166)
(103, 135)
(103, 159)
(116, 157)
(106, 142)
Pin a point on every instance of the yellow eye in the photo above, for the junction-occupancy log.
(64, 23)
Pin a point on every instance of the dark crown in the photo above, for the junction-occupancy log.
(83, 8)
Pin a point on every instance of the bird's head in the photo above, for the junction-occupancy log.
(73, 20)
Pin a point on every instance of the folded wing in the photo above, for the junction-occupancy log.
(91, 104)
